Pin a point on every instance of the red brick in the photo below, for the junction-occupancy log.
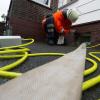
(26, 16)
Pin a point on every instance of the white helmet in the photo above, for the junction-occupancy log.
(72, 15)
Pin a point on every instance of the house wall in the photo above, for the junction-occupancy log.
(93, 28)
(2, 28)
(26, 16)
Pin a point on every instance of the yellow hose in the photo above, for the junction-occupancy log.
(12, 49)
(22, 45)
(90, 83)
(9, 74)
(93, 81)
(92, 69)
(21, 49)
(13, 65)
(92, 54)
(5, 50)
(93, 46)
(31, 55)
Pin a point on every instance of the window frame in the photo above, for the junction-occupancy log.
(39, 2)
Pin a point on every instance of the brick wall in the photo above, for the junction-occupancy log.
(2, 27)
(26, 16)
(93, 28)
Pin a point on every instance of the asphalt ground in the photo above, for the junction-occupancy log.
(33, 62)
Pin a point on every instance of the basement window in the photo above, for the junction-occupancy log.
(43, 2)
(85, 37)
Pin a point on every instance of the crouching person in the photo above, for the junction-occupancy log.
(57, 26)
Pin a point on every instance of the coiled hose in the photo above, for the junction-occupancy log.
(4, 71)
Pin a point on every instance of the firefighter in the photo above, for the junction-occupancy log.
(57, 26)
